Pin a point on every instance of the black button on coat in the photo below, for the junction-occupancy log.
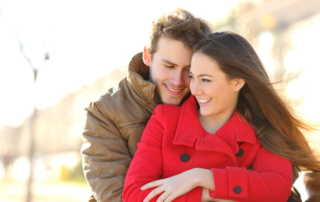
(237, 189)
(185, 157)
(240, 152)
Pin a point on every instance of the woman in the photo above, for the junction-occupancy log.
(234, 139)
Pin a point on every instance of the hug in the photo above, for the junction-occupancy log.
(196, 119)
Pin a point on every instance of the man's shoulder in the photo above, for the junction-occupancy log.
(106, 102)
(118, 91)
(120, 102)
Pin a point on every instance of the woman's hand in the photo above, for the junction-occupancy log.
(207, 198)
(173, 187)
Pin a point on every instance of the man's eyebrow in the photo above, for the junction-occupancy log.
(173, 64)
(167, 61)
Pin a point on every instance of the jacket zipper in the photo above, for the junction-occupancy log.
(131, 124)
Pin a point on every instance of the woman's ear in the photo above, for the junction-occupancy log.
(238, 84)
(146, 56)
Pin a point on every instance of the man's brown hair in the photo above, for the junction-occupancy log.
(180, 25)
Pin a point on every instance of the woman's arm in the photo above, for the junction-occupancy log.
(181, 184)
(207, 198)
(270, 180)
(146, 165)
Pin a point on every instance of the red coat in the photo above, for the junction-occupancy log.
(174, 141)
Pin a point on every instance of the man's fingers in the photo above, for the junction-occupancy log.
(154, 193)
(156, 183)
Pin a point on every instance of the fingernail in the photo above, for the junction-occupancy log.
(142, 188)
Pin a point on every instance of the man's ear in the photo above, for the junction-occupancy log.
(146, 56)
(238, 84)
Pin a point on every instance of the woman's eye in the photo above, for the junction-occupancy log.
(168, 66)
(190, 76)
(205, 80)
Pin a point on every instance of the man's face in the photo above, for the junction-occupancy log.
(169, 69)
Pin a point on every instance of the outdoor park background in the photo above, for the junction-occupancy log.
(79, 49)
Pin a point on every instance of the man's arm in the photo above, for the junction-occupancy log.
(105, 155)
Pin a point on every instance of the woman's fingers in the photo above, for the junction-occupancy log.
(154, 193)
(156, 183)
(170, 198)
(163, 196)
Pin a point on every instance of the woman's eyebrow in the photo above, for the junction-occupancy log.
(201, 75)
(204, 75)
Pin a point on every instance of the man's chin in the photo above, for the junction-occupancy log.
(171, 101)
(167, 98)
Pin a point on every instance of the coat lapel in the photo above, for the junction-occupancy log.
(226, 140)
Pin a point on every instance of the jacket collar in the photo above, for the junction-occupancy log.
(138, 76)
(226, 138)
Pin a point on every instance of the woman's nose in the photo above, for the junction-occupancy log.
(194, 88)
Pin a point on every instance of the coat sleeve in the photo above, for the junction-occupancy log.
(270, 180)
(146, 165)
(105, 155)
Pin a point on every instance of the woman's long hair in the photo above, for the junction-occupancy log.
(278, 128)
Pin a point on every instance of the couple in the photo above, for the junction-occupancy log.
(232, 139)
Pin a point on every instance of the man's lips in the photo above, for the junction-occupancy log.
(173, 91)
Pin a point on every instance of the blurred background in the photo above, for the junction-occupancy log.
(57, 56)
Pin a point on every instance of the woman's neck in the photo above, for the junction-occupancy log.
(212, 123)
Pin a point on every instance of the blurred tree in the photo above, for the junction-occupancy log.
(32, 120)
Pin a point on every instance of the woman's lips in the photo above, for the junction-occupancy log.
(203, 102)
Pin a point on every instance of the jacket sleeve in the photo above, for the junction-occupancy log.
(270, 180)
(146, 165)
(105, 155)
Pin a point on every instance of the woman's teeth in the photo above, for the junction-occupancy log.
(203, 101)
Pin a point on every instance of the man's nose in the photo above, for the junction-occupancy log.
(177, 79)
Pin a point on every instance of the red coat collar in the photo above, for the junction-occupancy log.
(191, 133)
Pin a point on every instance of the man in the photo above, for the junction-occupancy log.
(115, 122)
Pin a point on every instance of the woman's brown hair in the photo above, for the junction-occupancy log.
(278, 128)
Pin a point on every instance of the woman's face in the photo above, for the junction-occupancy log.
(216, 95)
